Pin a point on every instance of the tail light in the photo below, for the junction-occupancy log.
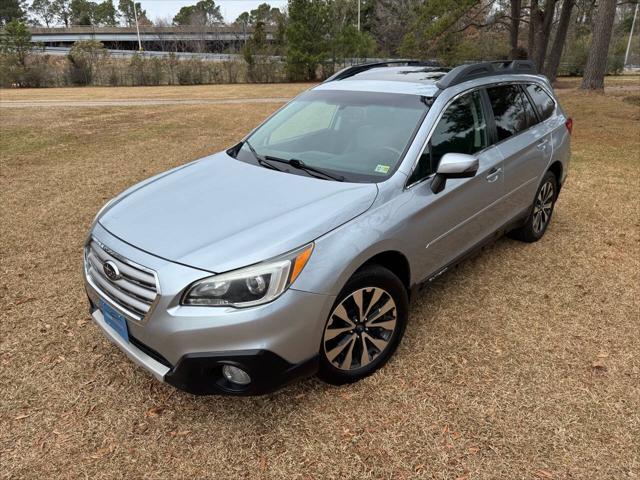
(569, 125)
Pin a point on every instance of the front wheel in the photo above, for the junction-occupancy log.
(365, 326)
(541, 211)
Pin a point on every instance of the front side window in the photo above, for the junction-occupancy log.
(543, 101)
(511, 110)
(359, 136)
(461, 129)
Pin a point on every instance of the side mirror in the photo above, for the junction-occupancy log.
(454, 165)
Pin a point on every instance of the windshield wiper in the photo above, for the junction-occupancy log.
(300, 165)
(259, 159)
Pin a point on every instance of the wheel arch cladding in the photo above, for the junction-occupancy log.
(393, 261)
(556, 169)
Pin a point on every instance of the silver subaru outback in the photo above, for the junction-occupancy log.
(297, 250)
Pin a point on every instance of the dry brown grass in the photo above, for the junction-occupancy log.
(522, 363)
(209, 92)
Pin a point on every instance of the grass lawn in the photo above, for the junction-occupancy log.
(522, 363)
(208, 92)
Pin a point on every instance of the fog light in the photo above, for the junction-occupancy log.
(236, 375)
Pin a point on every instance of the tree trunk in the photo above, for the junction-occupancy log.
(544, 23)
(596, 67)
(534, 20)
(553, 62)
(516, 8)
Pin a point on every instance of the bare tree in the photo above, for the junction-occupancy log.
(540, 28)
(534, 15)
(596, 68)
(516, 12)
(391, 23)
(553, 61)
(44, 10)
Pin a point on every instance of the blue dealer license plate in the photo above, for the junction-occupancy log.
(114, 319)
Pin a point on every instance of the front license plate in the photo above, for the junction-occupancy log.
(114, 319)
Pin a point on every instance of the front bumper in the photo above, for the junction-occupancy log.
(186, 346)
(201, 373)
(138, 356)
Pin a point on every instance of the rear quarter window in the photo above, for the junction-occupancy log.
(544, 103)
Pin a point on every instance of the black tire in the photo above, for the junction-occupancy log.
(370, 331)
(538, 220)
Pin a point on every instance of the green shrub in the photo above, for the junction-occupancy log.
(84, 58)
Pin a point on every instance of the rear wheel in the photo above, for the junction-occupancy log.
(365, 326)
(541, 211)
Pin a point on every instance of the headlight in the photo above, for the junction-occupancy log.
(246, 287)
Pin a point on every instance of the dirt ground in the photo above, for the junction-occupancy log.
(523, 363)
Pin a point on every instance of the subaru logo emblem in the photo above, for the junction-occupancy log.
(111, 270)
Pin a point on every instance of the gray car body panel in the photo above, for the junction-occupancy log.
(219, 214)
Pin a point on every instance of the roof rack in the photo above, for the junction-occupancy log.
(464, 73)
(363, 67)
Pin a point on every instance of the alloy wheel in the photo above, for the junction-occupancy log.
(542, 207)
(360, 328)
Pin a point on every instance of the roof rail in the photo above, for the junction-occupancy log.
(464, 73)
(363, 67)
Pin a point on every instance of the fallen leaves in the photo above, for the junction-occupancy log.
(155, 411)
(103, 452)
(599, 364)
(543, 474)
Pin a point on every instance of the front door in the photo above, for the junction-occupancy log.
(451, 222)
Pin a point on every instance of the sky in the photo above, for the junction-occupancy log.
(230, 8)
(167, 9)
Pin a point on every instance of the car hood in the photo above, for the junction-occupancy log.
(218, 213)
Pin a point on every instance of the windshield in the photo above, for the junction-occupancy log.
(358, 136)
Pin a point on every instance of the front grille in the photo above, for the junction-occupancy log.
(136, 289)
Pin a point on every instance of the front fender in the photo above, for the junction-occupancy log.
(339, 253)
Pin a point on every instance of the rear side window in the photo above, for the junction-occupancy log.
(512, 111)
(461, 129)
(544, 102)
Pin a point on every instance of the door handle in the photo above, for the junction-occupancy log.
(543, 144)
(494, 174)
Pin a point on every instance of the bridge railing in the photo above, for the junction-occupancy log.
(80, 30)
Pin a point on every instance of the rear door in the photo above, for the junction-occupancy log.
(524, 144)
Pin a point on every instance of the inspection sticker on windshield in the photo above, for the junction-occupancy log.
(382, 169)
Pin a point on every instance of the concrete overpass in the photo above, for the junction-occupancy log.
(187, 39)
